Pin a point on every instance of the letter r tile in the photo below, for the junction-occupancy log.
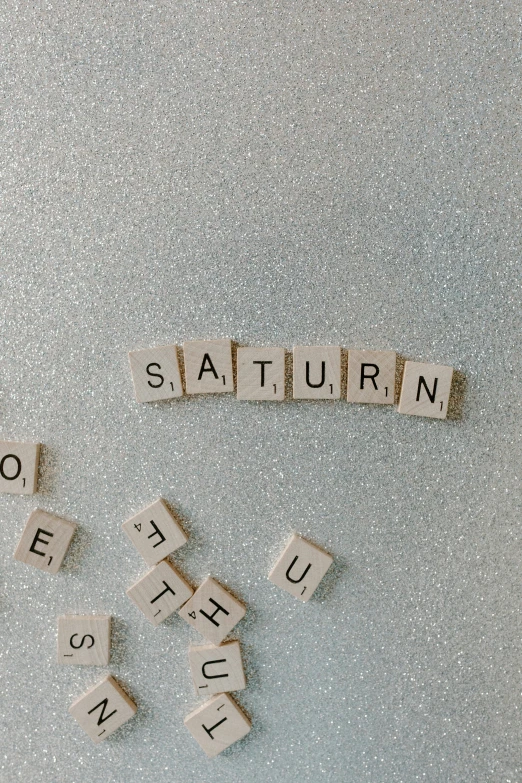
(300, 568)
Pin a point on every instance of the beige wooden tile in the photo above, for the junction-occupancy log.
(208, 366)
(260, 373)
(371, 377)
(84, 639)
(217, 724)
(155, 532)
(19, 467)
(160, 592)
(425, 390)
(317, 372)
(212, 611)
(103, 709)
(217, 669)
(155, 373)
(44, 541)
(300, 568)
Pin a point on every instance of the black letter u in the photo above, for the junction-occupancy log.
(292, 564)
(323, 373)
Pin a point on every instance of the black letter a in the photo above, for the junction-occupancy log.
(211, 368)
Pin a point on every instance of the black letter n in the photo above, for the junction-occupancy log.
(431, 395)
(103, 705)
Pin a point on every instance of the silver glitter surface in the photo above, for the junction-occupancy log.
(277, 173)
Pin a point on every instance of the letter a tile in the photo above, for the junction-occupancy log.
(160, 592)
(19, 467)
(317, 372)
(208, 366)
(300, 568)
(216, 669)
(425, 390)
(217, 724)
(155, 532)
(103, 709)
(45, 541)
(155, 373)
(212, 611)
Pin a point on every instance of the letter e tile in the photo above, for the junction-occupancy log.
(44, 541)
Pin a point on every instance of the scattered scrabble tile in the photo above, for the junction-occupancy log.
(160, 592)
(371, 376)
(217, 669)
(212, 611)
(300, 568)
(155, 373)
(84, 639)
(260, 373)
(44, 541)
(425, 390)
(317, 372)
(217, 724)
(19, 467)
(155, 532)
(208, 366)
(103, 709)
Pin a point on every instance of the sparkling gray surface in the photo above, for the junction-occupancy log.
(278, 173)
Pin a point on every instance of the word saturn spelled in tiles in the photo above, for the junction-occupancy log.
(316, 375)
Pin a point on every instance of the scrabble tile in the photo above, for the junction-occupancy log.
(371, 377)
(208, 366)
(260, 373)
(300, 568)
(425, 390)
(155, 373)
(160, 592)
(217, 669)
(84, 639)
(103, 709)
(317, 372)
(19, 467)
(212, 611)
(155, 532)
(217, 724)
(44, 541)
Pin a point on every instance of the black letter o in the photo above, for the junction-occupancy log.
(10, 456)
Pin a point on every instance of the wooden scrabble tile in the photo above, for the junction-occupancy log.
(371, 376)
(155, 532)
(208, 366)
(217, 724)
(317, 372)
(84, 639)
(44, 541)
(103, 709)
(155, 373)
(300, 568)
(260, 373)
(217, 669)
(425, 390)
(212, 611)
(19, 467)
(160, 592)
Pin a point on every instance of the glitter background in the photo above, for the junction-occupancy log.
(278, 173)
